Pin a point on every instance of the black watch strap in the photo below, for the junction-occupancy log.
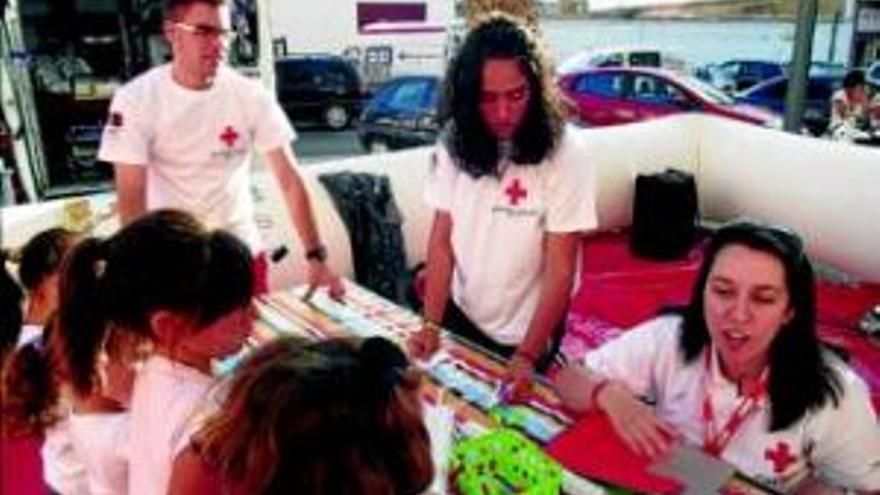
(317, 253)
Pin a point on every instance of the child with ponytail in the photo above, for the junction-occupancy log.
(31, 393)
(182, 292)
(26, 304)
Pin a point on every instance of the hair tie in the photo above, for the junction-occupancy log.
(383, 362)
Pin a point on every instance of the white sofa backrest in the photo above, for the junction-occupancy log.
(824, 190)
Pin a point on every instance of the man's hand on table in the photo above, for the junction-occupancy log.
(318, 274)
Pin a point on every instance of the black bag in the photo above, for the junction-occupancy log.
(665, 215)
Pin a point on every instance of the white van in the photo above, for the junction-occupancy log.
(622, 57)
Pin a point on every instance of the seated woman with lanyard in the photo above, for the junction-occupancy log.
(740, 372)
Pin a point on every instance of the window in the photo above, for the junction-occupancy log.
(410, 95)
(655, 91)
(644, 59)
(776, 91)
(819, 90)
(608, 85)
(291, 75)
(369, 13)
(610, 60)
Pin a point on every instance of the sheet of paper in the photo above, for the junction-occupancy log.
(702, 472)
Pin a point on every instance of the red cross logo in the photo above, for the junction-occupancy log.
(780, 457)
(229, 136)
(515, 192)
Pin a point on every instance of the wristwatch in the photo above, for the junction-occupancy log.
(317, 253)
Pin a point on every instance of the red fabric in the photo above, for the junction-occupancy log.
(21, 469)
(592, 449)
(619, 290)
(625, 290)
(261, 274)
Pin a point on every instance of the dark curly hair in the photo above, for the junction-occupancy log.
(800, 376)
(473, 147)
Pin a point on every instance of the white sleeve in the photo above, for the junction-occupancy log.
(633, 357)
(126, 137)
(571, 188)
(271, 128)
(440, 184)
(846, 438)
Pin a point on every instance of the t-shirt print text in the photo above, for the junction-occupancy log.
(515, 200)
(231, 144)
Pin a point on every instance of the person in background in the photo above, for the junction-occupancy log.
(740, 373)
(39, 261)
(851, 107)
(180, 293)
(32, 397)
(341, 416)
(181, 136)
(512, 190)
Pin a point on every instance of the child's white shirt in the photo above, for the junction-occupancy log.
(166, 409)
(101, 440)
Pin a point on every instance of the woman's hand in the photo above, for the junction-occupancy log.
(635, 422)
(518, 379)
(424, 343)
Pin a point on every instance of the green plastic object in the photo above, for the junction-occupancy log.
(503, 461)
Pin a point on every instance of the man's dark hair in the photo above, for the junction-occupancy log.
(853, 78)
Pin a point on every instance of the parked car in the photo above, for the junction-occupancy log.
(872, 74)
(619, 96)
(621, 57)
(737, 75)
(817, 112)
(323, 89)
(401, 114)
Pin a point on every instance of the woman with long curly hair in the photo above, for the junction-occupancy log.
(511, 190)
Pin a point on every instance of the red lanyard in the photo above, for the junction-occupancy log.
(715, 441)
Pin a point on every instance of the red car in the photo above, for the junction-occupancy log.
(623, 95)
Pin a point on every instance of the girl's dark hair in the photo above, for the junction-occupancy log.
(800, 376)
(164, 260)
(11, 312)
(39, 258)
(473, 147)
(29, 391)
(42, 256)
(339, 416)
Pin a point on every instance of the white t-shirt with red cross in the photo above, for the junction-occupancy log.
(196, 144)
(838, 445)
(498, 229)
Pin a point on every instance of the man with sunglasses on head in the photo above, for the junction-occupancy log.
(181, 136)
